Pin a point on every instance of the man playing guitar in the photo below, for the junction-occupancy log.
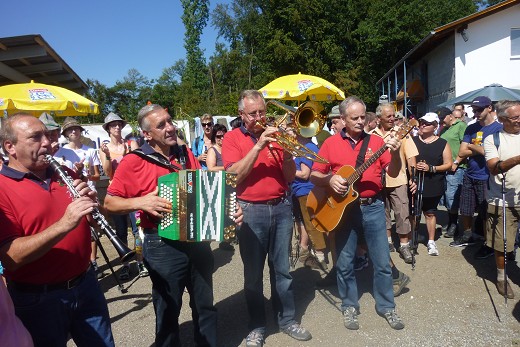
(366, 215)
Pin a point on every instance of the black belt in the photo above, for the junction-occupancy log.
(368, 201)
(271, 202)
(42, 288)
(150, 230)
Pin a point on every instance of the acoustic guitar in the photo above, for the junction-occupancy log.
(326, 207)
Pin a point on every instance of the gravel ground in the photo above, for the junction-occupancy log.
(451, 301)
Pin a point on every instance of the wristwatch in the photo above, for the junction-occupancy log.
(456, 163)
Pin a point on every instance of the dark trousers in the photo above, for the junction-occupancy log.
(174, 266)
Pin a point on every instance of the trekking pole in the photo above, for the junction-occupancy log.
(504, 234)
(414, 203)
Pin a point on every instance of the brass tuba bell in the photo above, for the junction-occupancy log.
(309, 118)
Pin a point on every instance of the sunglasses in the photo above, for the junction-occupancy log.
(210, 124)
(425, 124)
(219, 136)
(115, 124)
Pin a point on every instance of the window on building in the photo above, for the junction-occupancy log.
(515, 42)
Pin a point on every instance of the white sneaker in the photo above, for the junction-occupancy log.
(432, 248)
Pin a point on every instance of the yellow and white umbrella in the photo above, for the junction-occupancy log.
(300, 87)
(36, 98)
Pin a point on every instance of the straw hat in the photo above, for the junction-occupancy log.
(70, 123)
(48, 121)
(112, 117)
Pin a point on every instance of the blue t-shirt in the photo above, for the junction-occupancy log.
(300, 187)
(476, 133)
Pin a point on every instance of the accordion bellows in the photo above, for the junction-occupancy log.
(203, 204)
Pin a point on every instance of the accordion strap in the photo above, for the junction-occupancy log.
(156, 159)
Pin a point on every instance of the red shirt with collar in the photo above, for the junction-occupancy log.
(28, 207)
(339, 151)
(266, 180)
(136, 177)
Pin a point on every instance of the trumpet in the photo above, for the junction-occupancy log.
(290, 144)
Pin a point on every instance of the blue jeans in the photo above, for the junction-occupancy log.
(267, 231)
(51, 316)
(370, 221)
(174, 266)
(451, 198)
(121, 224)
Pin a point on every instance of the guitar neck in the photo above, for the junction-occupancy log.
(359, 170)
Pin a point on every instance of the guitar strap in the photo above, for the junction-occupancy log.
(362, 152)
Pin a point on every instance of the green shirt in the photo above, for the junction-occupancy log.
(454, 135)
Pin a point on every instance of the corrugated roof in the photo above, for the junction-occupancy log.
(30, 57)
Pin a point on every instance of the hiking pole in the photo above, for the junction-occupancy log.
(414, 203)
(504, 234)
(419, 179)
(107, 260)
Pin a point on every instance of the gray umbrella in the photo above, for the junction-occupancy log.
(494, 91)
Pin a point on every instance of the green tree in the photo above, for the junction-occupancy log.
(195, 81)
(130, 94)
(101, 95)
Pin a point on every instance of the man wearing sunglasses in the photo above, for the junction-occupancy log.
(475, 179)
(202, 143)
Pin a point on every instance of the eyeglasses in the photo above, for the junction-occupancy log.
(256, 114)
(219, 136)
(425, 124)
(210, 124)
(513, 119)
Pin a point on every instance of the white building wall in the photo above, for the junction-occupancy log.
(486, 57)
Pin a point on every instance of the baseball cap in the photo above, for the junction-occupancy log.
(481, 101)
(443, 112)
(430, 117)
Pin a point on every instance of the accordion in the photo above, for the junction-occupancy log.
(203, 204)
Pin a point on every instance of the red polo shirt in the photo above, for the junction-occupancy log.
(29, 206)
(137, 177)
(340, 150)
(266, 180)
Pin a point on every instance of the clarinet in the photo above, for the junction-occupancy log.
(125, 253)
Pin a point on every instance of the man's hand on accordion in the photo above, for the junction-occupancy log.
(239, 216)
(154, 205)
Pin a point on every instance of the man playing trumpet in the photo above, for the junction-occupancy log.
(264, 170)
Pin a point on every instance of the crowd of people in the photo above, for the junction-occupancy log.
(470, 166)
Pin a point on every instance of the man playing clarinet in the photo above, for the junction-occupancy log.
(45, 243)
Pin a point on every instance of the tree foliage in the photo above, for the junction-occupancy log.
(351, 43)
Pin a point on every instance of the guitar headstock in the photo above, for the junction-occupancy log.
(406, 128)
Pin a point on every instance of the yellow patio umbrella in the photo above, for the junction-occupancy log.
(36, 98)
(300, 87)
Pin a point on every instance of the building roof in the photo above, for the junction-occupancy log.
(30, 57)
(438, 35)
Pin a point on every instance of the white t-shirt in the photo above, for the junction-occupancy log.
(68, 156)
(509, 147)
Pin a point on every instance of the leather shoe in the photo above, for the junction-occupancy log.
(501, 287)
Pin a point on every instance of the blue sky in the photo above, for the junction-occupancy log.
(104, 39)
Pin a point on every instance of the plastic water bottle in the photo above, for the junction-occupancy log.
(138, 245)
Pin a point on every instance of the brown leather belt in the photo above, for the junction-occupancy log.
(42, 288)
(271, 202)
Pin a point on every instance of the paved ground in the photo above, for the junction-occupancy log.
(451, 301)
